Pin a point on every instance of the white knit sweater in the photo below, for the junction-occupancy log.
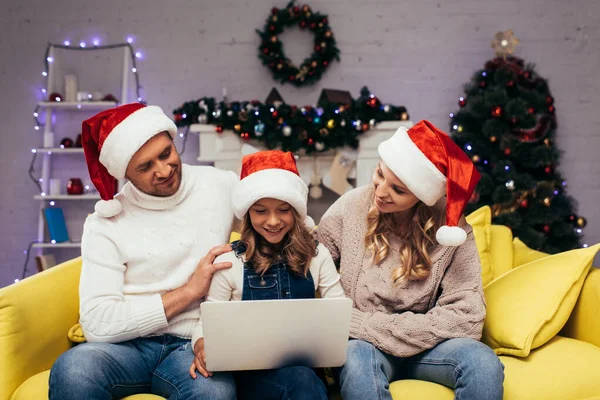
(151, 247)
(227, 284)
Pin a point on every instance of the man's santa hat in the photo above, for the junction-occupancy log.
(431, 165)
(270, 174)
(111, 138)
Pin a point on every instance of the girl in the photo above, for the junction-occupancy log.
(418, 300)
(275, 258)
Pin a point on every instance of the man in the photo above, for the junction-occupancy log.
(148, 257)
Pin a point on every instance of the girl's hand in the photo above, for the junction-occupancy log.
(199, 363)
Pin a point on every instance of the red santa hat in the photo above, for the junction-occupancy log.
(270, 174)
(111, 138)
(431, 165)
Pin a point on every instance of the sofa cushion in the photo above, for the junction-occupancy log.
(36, 388)
(481, 221)
(501, 250)
(561, 369)
(410, 389)
(528, 305)
(522, 254)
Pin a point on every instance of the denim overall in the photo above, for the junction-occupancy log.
(276, 284)
(293, 382)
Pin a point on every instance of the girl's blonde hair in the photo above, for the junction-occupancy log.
(415, 263)
(297, 248)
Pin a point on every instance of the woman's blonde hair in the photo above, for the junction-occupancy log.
(297, 248)
(415, 263)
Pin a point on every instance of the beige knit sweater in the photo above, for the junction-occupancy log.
(408, 319)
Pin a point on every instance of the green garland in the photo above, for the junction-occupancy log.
(271, 49)
(290, 128)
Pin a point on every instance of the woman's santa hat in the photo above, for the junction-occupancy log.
(431, 165)
(111, 138)
(270, 174)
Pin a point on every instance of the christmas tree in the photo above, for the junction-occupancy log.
(506, 124)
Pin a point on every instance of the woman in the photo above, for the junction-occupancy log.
(415, 280)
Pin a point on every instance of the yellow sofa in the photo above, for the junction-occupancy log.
(36, 314)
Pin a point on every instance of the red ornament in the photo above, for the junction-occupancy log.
(296, 9)
(550, 100)
(474, 197)
(275, 114)
(462, 102)
(497, 112)
(513, 120)
(302, 24)
(510, 83)
(372, 102)
(271, 27)
(531, 110)
(572, 218)
(365, 127)
(219, 129)
(310, 141)
(55, 97)
(324, 21)
(524, 203)
(551, 109)
(66, 143)
(313, 25)
(325, 63)
(266, 50)
(507, 151)
(292, 77)
(548, 169)
(547, 228)
(482, 84)
(75, 186)
(274, 10)
(245, 136)
(527, 74)
(317, 48)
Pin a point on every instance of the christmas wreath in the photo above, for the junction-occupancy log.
(271, 49)
(306, 129)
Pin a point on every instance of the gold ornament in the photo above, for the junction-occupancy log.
(331, 124)
(313, 64)
(237, 127)
(323, 45)
(328, 34)
(320, 25)
(404, 116)
(324, 132)
(504, 43)
(280, 121)
(581, 222)
(273, 38)
(279, 66)
(306, 8)
(547, 142)
(459, 129)
(274, 18)
(493, 139)
(547, 201)
(308, 14)
(475, 158)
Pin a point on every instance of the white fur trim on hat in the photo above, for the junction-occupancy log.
(412, 167)
(273, 183)
(108, 208)
(451, 235)
(131, 134)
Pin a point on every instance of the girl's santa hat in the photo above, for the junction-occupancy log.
(431, 165)
(111, 138)
(270, 174)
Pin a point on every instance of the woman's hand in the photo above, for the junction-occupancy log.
(199, 363)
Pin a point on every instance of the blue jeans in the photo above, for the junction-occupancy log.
(158, 365)
(287, 383)
(465, 365)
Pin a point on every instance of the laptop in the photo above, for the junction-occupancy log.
(269, 334)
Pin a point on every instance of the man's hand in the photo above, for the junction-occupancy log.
(176, 301)
(199, 363)
(200, 280)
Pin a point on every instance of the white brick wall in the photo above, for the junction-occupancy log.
(412, 52)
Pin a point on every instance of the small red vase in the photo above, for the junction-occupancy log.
(75, 186)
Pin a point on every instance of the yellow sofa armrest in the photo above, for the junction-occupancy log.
(35, 315)
(584, 323)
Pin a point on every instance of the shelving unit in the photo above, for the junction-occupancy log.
(48, 111)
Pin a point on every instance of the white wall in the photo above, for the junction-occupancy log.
(413, 52)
